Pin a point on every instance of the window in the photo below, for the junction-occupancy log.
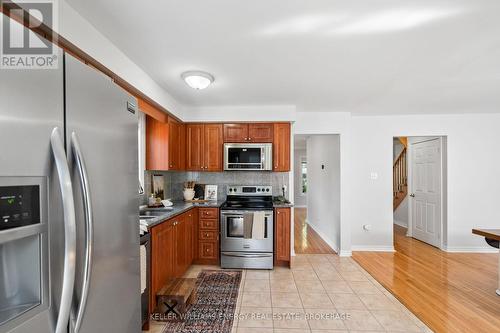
(141, 135)
(303, 167)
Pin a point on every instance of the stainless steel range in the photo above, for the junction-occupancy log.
(247, 228)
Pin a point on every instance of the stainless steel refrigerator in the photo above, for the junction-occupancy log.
(69, 241)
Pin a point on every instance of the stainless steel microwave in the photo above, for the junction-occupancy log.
(248, 156)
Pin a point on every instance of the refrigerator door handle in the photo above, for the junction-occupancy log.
(78, 312)
(68, 203)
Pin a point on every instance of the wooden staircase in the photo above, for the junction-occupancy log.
(400, 177)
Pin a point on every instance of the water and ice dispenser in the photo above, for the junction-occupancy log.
(22, 248)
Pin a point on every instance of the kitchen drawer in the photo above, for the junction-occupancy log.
(209, 213)
(208, 250)
(209, 224)
(208, 235)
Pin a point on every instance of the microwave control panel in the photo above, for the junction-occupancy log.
(19, 206)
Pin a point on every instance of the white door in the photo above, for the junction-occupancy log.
(425, 191)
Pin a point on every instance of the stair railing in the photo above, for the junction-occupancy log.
(400, 178)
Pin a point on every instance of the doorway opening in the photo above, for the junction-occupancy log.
(419, 190)
(316, 194)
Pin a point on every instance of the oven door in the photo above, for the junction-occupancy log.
(232, 238)
(247, 156)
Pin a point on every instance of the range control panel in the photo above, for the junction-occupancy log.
(19, 206)
(250, 190)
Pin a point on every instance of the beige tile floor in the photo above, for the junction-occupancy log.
(320, 294)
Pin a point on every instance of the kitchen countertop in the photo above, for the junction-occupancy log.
(282, 205)
(180, 207)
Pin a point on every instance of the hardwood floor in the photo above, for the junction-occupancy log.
(450, 292)
(307, 241)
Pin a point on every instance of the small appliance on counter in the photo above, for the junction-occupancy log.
(189, 192)
(247, 228)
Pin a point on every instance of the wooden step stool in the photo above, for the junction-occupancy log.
(174, 298)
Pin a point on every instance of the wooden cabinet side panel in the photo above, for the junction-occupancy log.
(182, 146)
(156, 144)
(173, 145)
(176, 145)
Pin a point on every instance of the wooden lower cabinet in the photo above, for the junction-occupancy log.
(282, 236)
(208, 236)
(180, 241)
(208, 251)
(163, 249)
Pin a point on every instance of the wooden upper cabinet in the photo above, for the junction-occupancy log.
(235, 132)
(176, 145)
(260, 132)
(194, 146)
(282, 234)
(281, 147)
(156, 144)
(212, 147)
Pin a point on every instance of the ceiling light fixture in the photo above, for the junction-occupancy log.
(197, 79)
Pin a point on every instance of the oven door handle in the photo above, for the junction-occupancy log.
(232, 213)
(239, 255)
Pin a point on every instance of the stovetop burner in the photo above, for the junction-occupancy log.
(249, 198)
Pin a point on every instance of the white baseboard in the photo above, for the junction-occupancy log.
(401, 224)
(325, 238)
(373, 248)
(470, 249)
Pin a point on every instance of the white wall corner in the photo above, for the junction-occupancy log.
(327, 240)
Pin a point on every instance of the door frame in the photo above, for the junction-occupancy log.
(443, 188)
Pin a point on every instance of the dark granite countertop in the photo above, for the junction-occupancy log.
(180, 207)
(282, 205)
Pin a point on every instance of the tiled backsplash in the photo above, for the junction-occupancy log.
(174, 181)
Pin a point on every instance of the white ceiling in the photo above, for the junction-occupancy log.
(365, 57)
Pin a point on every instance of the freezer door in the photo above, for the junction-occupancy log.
(105, 133)
(31, 107)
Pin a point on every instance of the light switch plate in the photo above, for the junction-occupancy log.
(373, 175)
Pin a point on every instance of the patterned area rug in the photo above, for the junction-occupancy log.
(214, 309)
